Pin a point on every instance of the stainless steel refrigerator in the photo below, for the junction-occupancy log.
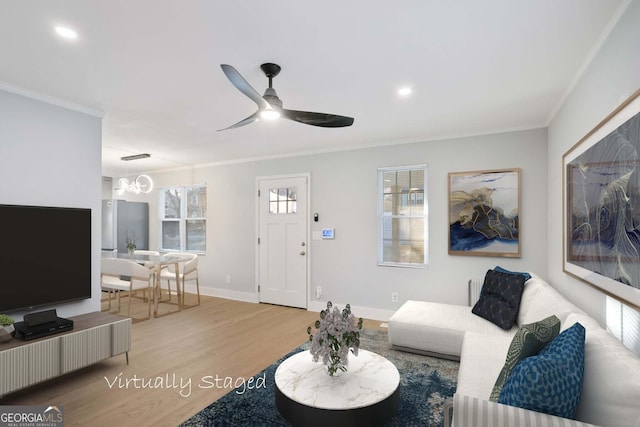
(122, 220)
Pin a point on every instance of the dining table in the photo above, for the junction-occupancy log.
(157, 262)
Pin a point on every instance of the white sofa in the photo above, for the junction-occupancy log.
(611, 387)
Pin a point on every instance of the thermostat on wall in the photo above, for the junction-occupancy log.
(327, 233)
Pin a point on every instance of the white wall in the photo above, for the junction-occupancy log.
(344, 193)
(612, 76)
(51, 156)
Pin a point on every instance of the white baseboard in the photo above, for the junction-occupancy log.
(317, 306)
(358, 311)
(225, 293)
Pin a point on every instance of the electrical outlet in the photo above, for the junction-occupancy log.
(394, 297)
(228, 279)
(318, 292)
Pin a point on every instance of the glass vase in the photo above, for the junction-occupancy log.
(336, 365)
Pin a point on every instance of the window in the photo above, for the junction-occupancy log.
(624, 323)
(402, 214)
(183, 218)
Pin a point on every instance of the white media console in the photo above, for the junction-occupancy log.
(95, 337)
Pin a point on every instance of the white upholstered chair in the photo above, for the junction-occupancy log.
(187, 271)
(124, 275)
(147, 264)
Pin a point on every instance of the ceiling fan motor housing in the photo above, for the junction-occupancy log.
(272, 98)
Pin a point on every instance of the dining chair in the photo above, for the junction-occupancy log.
(147, 264)
(187, 271)
(124, 275)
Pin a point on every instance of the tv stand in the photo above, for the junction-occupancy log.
(95, 337)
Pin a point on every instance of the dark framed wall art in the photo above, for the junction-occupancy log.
(484, 213)
(601, 194)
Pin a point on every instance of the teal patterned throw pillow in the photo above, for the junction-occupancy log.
(527, 342)
(550, 382)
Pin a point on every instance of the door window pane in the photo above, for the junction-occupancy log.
(283, 200)
(273, 201)
(292, 200)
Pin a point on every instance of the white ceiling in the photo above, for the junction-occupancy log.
(153, 68)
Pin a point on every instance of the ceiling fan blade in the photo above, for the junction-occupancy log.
(317, 119)
(252, 118)
(243, 86)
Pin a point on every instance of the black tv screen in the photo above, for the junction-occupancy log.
(45, 254)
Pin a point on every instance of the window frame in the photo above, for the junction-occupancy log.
(182, 220)
(381, 217)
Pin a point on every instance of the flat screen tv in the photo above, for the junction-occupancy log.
(45, 256)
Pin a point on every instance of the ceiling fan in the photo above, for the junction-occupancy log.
(270, 105)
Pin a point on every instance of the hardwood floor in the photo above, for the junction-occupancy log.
(181, 355)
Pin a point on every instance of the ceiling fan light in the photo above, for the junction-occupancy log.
(269, 114)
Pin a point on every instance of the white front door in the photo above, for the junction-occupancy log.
(282, 240)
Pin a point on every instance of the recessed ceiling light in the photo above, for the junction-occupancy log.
(405, 91)
(67, 33)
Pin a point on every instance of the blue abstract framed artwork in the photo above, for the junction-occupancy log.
(484, 213)
(601, 177)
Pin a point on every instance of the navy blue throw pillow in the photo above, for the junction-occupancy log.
(500, 298)
(526, 275)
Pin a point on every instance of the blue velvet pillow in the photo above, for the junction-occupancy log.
(527, 276)
(551, 381)
(499, 300)
(527, 342)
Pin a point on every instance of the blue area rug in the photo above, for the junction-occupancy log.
(425, 383)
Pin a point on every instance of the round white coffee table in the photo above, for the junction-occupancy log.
(367, 394)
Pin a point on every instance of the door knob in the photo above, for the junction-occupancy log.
(302, 252)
